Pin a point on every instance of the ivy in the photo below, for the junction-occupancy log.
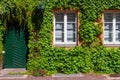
(88, 31)
(91, 56)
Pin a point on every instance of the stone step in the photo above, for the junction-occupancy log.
(13, 73)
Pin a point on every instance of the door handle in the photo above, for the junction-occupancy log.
(13, 46)
(3, 52)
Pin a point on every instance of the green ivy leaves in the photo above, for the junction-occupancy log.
(43, 56)
(88, 31)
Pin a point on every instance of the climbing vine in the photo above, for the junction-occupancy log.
(91, 56)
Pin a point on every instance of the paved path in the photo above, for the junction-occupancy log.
(83, 77)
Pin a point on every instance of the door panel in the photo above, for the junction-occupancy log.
(15, 48)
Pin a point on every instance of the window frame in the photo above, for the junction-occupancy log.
(114, 41)
(66, 43)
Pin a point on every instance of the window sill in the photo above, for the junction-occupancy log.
(112, 45)
(65, 45)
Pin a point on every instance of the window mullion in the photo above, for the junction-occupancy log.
(76, 28)
(54, 30)
(114, 21)
(65, 28)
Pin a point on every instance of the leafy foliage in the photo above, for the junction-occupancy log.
(93, 57)
(88, 31)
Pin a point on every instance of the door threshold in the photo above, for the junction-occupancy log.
(13, 73)
(10, 71)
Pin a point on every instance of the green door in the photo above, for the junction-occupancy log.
(15, 48)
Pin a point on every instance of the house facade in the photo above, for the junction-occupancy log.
(65, 36)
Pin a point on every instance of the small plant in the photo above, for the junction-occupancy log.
(42, 72)
(39, 73)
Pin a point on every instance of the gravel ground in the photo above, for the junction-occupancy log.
(84, 77)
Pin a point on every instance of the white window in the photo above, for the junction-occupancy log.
(65, 29)
(112, 28)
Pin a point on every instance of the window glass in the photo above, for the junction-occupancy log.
(71, 26)
(59, 32)
(71, 17)
(108, 29)
(117, 32)
(112, 28)
(59, 36)
(59, 17)
(108, 17)
(117, 17)
(65, 30)
(71, 32)
(59, 26)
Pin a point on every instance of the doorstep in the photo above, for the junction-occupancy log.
(13, 73)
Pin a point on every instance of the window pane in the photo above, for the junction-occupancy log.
(117, 17)
(59, 17)
(108, 35)
(71, 17)
(117, 32)
(108, 17)
(70, 39)
(59, 26)
(59, 40)
(108, 26)
(59, 36)
(108, 38)
(65, 28)
(71, 26)
(71, 36)
(59, 32)
(71, 32)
